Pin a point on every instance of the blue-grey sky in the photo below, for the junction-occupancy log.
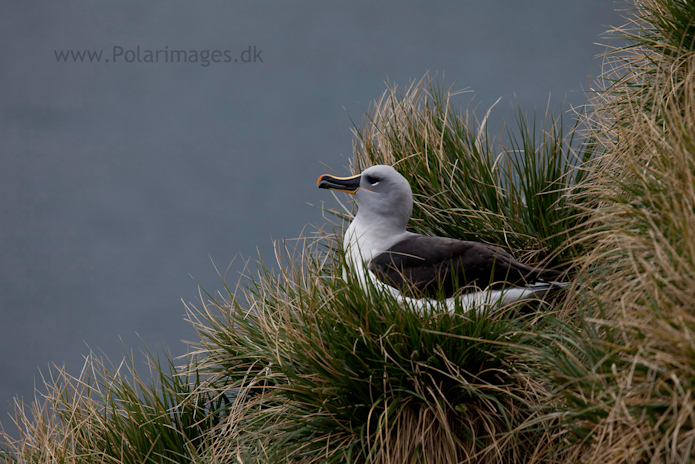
(119, 181)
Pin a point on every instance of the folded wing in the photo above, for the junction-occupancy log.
(441, 267)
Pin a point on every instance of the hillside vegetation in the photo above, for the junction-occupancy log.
(302, 365)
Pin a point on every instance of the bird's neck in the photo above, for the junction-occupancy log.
(366, 238)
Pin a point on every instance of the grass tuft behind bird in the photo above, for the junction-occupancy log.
(466, 184)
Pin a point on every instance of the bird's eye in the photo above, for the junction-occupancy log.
(372, 180)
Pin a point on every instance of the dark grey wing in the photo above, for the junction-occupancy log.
(440, 267)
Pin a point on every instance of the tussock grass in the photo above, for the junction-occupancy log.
(303, 365)
(627, 371)
(110, 414)
(323, 372)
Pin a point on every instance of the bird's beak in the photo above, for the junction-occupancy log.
(344, 184)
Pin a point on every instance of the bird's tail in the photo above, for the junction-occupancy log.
(536, 290)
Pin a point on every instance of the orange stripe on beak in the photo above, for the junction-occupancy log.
(343, 184)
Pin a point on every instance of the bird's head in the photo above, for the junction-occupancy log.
(382, 193)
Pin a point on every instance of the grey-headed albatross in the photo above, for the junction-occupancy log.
(426, 268)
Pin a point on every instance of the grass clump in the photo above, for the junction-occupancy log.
(323, 372)
(110, 414)
(627, 372)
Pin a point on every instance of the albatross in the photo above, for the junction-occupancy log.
(423, 270)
